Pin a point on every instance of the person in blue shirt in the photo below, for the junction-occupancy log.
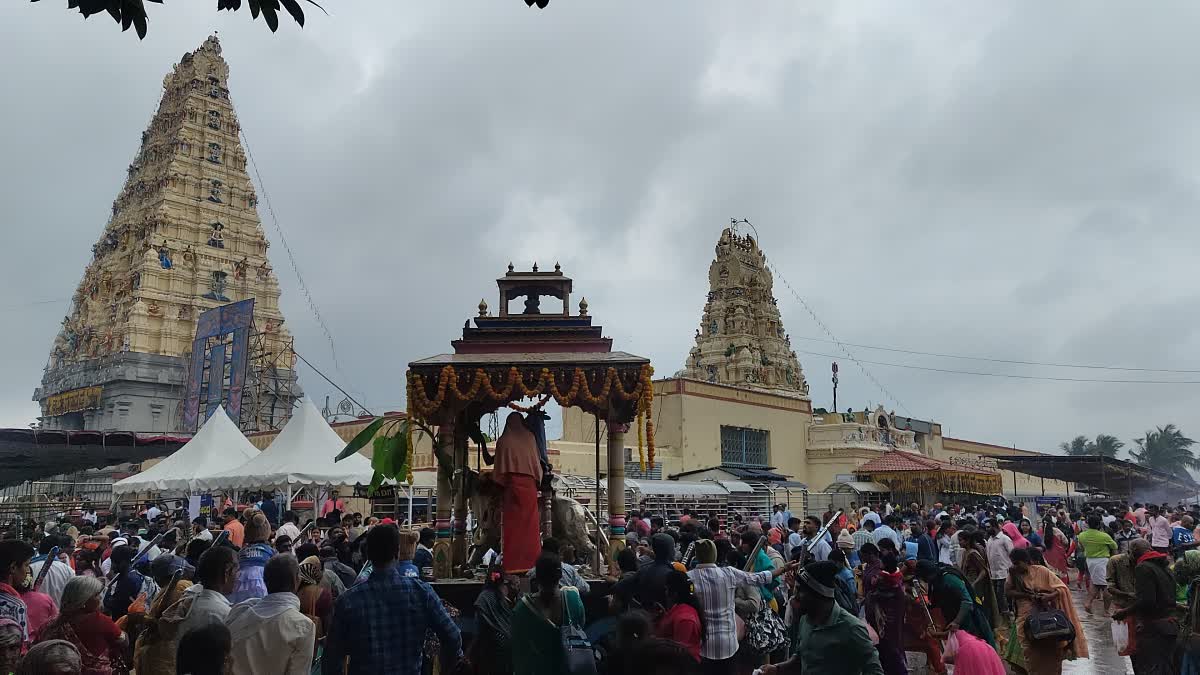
(1181, 536)
(380, 624)
(926, 548)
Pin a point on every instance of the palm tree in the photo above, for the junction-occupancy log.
(1105, 446)
(1166, 449)
(1078, 447)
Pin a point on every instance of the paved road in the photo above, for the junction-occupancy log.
(1097, 627)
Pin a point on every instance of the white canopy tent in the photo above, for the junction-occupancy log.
(218, 446)
(301, 455)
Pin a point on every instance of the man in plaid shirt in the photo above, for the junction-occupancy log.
(864, 535)
(381, 623)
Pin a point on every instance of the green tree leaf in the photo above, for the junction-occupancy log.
(360, 441)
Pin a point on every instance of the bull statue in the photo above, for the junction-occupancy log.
(569, 521)
(569, 525)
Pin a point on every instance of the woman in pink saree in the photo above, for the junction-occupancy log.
(520, 472)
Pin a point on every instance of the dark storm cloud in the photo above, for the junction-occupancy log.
(1008, 181)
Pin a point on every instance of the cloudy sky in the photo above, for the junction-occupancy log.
(1008, 180)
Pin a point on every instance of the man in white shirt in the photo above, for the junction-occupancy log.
(152, 512)
(59, 573)
(779, 517)
(291, 526)
(270, 635)
(869, 514)
(1160, 529)
(821, 549)
(794, 538)
(1108, 519)
(886, 531)
(200, 529)
(999, 547)
(216, 574)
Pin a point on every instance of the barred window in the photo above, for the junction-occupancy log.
(744, 447)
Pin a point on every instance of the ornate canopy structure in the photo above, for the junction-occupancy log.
(911, 473)
(509, 357)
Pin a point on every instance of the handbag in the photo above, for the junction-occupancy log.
(765, 631)
(1049, 624)
(578, 656)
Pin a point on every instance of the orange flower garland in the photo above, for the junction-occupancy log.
(579, 391)
(420, 406)
(641, 451)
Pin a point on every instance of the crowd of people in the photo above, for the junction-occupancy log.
(254, 593)
(982, 587)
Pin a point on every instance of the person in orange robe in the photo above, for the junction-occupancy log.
(520, 472)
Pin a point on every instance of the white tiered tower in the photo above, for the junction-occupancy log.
(741, 341)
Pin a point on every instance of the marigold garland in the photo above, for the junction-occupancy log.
(420, 406)
(535, 406)
(412, 449)
(641, 451)
(546, 385)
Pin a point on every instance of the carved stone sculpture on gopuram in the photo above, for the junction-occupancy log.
(183, 236)
(741, 340)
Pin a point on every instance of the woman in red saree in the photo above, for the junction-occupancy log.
(81, 623)
(1055, 545)
(520, 472)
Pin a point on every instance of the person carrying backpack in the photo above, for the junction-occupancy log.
(547, 627)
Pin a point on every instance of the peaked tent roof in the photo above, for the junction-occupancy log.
(302, 454)
(218, 446)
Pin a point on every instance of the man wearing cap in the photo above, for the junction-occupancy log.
(829, 640)
(715, 588)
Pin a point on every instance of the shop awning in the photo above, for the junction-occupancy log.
(913, 473)
(1114, 477)
(30, 454)
(858, 487)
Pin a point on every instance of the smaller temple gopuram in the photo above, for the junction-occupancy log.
(741, 341)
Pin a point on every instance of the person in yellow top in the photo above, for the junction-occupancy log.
(1098, 547)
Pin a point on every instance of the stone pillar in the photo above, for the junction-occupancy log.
(616, 490)
(546, 508)
(458, 546)
(442, 563)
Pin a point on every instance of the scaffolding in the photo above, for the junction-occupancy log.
(269, 390)
(270, 393)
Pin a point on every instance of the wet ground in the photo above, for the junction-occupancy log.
(1097, 627)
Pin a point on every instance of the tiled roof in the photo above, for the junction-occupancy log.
(899, 460)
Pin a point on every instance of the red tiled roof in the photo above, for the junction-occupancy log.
(899, 460)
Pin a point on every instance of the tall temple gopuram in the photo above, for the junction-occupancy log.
(184, 236)
(741, 341)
